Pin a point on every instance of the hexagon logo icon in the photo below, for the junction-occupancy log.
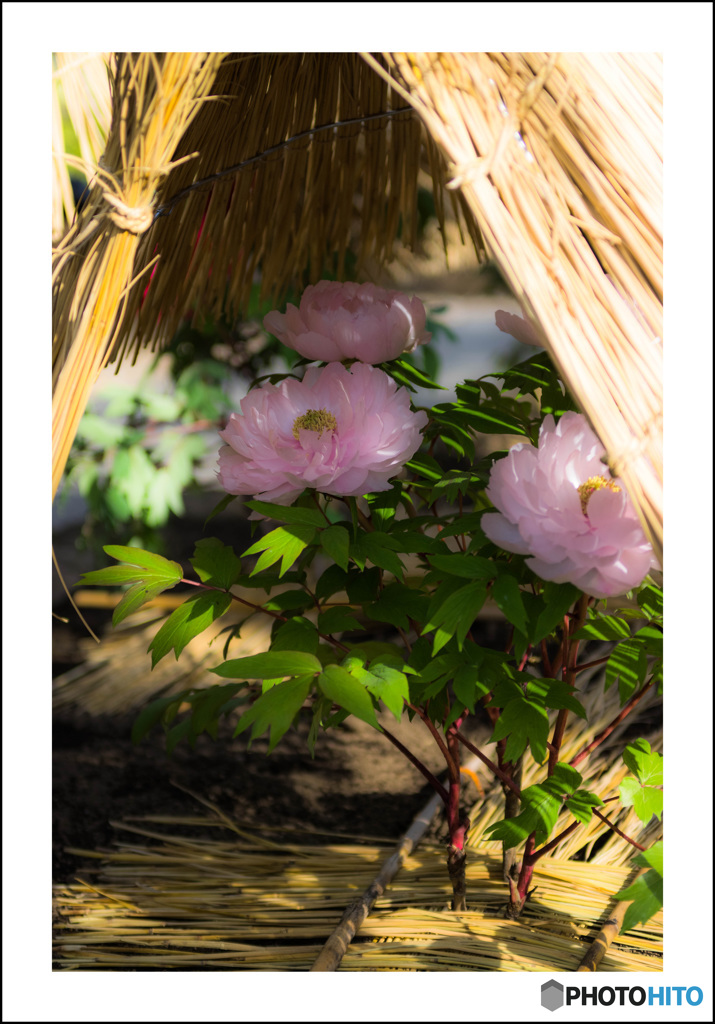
(552, 995)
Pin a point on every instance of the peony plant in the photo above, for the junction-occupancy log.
(370, 528)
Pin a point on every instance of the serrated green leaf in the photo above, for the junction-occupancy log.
(284, 543)
(646, 893)
(188, 620)
(556, 693)
(272, 665)
(295, 515)
(216, 563)
(455, 616)
(523, 721)
(335, 542)
(379, 549)
(581, 804)
(276, 709)
(507, 596)
(468, 688)
(644, 763)
(390, 686)
(344, 689)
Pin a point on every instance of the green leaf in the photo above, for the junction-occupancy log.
(456, 614)
(507, 596)
(650, 600)
(275, 709)
(556, 693)
(344, 689)
(644, 793)
(210, 703)
(397, 604)
(467, 566)
(628, 665)
(363, 587)
(151, 575)
(406, 374)
(288, 513)
(646, 893)
(468, 687)
(179, 732)
(541, 805)
(155, 569)
(271, 665)
(216, 563)
(581, 804)
(153, 713)
(333, 581)
(337, 620)
(335, 542)
(603, 627)
(288, 600)
(379, 549)
(285, 543)
(100, 431)
(298, 634)
(558, 598)
(191, 618)
(523, 721)
(390, 686)
(425, 466)
(220, 507)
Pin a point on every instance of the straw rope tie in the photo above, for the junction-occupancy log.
(136, 219)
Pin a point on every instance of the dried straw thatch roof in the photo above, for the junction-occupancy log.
(552, 161)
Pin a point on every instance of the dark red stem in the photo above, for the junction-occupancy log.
(434, 782)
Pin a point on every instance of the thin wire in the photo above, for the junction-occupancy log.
(165, 209)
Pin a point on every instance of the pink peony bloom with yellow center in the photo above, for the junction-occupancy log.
(350, 321)
(343, 431)
(559, 504)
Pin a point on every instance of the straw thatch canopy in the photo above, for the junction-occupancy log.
(220, 169)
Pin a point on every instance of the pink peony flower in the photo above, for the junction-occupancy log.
(350, 321)
(518, 327)
(342, 431)
(559, 504)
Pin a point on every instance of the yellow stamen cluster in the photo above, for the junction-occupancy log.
(595, 483)
(318, 420)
